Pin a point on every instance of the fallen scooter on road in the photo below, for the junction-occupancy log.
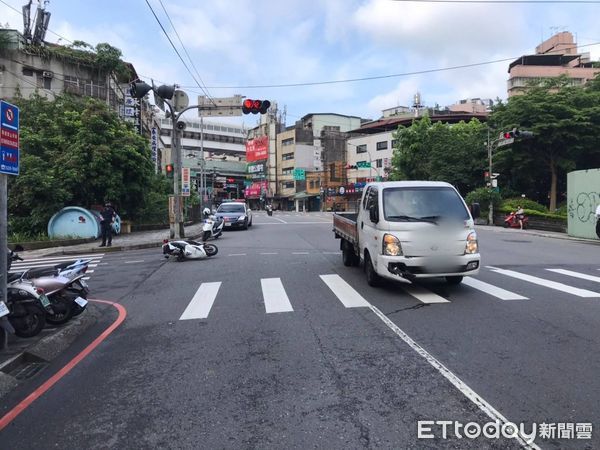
(188, 249)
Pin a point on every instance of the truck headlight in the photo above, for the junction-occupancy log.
(472, 246)
(391, 245)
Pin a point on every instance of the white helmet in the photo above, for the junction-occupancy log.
(206, 212)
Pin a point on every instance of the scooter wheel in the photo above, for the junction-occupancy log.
(211, 249)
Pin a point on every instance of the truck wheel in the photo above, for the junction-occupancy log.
(373, 279)
(453, 281)
(348, 256)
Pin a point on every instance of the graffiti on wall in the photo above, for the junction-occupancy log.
(583, 206)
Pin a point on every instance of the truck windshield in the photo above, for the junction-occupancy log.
(423, 204)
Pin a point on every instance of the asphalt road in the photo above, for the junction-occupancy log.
(284, 360)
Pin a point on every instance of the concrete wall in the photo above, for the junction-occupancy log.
(583, 196)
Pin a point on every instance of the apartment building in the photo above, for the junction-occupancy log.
(556, 56)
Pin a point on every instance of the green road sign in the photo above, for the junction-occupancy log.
(299, 174)
(363, 164)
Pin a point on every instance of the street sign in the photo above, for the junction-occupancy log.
(9, 139)
(363, 165)
(185, 181)
(222, 106)
(299, 174)
(505, 142)
(180, 100)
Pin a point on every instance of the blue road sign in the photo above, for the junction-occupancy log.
(9, 139)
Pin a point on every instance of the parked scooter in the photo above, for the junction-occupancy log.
(213, 227)
(512, 221)
(188, 249)
(62, 284)
(28, 306)
(269, 210)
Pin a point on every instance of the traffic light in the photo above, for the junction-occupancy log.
(138, 89)
(516, 133)
(351, 166)
(255, 106)
(169, 170)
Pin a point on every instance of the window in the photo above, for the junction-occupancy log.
(289, 141)
(288, 171)
(27, 72)
(287, 156)
(383, 145)
(331, 128)
(361, 148)
(394, 143)
(379, 163)
(288, 185)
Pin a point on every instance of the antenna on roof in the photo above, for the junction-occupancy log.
(42, 20)
(27, 21)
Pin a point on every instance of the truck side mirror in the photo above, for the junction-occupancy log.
(475, 210)
(374, 213)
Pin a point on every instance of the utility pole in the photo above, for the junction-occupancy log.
(491, 210)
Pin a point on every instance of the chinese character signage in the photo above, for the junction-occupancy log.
(9, 139)
(256, 170)
(154, 143)
(255, 189)
(257, 149)
(185, 181)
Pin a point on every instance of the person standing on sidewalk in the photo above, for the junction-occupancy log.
(108, 218)
(597, 220)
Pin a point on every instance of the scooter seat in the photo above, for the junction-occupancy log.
(13, 276)
(42, 272)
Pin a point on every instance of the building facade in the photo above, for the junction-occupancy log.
(554, 57)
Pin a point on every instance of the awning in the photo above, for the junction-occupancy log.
(303, 195)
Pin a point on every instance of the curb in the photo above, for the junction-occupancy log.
(120, 248)
(35, 357)
(540, 233)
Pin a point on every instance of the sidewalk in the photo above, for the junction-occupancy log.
(540, 233)
(130, 241)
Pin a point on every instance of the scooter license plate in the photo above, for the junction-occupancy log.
(44, 300)
(3, 309)
(81, 301)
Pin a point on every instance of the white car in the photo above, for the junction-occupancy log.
(235, 215)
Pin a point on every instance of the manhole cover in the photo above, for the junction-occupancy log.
(28, 370)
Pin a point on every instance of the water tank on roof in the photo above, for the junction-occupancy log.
(76, 222)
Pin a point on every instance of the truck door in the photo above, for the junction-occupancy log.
(368, 223)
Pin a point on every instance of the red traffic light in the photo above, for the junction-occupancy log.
(255, 106)
(169, 168)
(508, 135)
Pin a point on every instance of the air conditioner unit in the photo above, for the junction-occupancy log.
(47, 74)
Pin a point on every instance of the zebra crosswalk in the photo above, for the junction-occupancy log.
(276, 299)
(19, 266)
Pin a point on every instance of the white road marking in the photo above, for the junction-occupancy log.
(332, 253)
(85, 278)
(38, 264)
(548, 283)
(500, 293)
(95, 265)
(132, 262)
(275, 298)
(269, 253)
(424, 295)
(344, 292)
(300, 253)
(282, 221)
(484, 406)
(570, 273)
(89, 271)
(102, 264)
(200, 305)
(237, 254)
(67, 258)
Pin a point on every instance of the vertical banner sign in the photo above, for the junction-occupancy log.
(257, 149)
(154, 143)
(185, 181)
(9, 139)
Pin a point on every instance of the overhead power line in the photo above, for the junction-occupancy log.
(380, 77)
(174, 48)
(203, 86)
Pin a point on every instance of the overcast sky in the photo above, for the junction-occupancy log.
(236, 44)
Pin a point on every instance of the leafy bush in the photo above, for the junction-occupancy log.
(513, 203)
(532, 212)
(483, 196)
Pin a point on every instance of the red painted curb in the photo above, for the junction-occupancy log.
(25, 403)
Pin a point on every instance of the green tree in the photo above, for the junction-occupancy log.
(78, 152)
(566, 122)
(454, 153)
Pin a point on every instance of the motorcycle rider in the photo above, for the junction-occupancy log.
(519, 216)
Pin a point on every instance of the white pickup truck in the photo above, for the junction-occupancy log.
(405, 230)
